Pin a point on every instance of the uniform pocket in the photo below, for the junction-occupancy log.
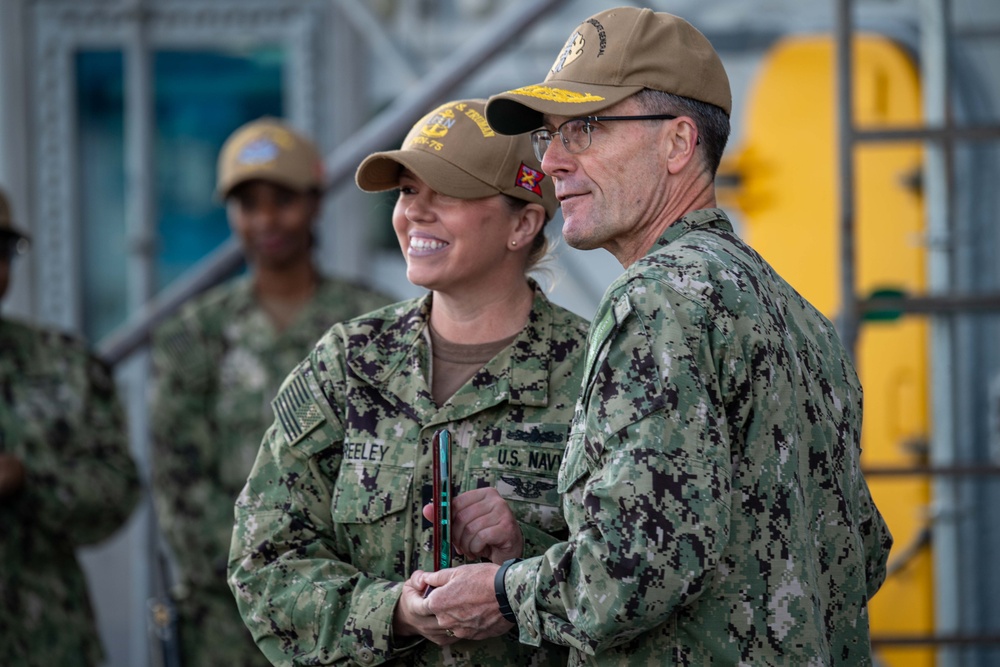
(365, 492)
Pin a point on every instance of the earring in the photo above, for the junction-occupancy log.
(513, 244)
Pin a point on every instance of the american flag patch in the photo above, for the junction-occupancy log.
(295, 409)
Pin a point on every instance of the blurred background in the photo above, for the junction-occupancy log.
(867, 175)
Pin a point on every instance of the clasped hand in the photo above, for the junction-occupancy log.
(463, 604)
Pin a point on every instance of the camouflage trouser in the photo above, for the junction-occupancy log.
(212, 634)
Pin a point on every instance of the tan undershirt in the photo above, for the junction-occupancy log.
(454, 364)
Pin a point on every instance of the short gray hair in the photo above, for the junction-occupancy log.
(712, 122)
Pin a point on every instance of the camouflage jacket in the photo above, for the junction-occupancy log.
(716, 507)
(60, 416)
(217, 365)
(330, 521)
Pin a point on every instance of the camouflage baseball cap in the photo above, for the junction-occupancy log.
(7, 227)
(610, 56)
(269, 150)
(455, 152)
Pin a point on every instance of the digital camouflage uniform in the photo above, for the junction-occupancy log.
(330, 521)
(59, 415)
(716, 507)
(218, 365)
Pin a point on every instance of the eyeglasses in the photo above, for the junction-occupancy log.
(575, 133)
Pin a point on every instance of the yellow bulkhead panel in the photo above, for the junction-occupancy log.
(787, 191)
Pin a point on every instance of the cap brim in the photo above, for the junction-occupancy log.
(522, 110)
(223, 190)
(380, 171)
(10, 230)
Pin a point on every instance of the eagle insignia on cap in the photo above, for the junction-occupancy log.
(438, 125)
(530, 179)
(570, 52)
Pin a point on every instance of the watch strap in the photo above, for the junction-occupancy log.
(501, 591)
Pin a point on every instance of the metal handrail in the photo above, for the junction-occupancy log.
(934, 640)
(936, 304)
(958, 470)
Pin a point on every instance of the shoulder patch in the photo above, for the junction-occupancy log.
(296, 409)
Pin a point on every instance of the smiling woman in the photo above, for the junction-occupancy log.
(469, 219)
(331, 524)
(462, 248)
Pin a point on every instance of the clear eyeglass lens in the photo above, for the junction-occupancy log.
(540, 141)
(575, 135)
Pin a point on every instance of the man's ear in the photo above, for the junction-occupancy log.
(683, 140)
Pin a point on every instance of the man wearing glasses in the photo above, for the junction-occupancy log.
(711, 481)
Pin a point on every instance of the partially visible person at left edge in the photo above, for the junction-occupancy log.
(66, 480)
(220, 362)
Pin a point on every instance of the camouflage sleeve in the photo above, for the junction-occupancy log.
(302, 599)
(536, 540)
(876, 536)
(646, 478)
(194, 511)
(84, 484)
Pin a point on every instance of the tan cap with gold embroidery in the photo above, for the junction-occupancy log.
(610, 56)
(269, 150)
(454, 150)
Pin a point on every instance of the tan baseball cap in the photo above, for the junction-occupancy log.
(269, 150)
(610, 56)
(454, 150)
(7, 219)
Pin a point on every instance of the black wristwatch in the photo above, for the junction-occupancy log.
(501, 591)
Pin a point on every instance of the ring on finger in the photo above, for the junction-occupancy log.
(450, 632)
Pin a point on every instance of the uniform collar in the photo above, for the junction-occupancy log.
(520, 373)
(706, 218)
